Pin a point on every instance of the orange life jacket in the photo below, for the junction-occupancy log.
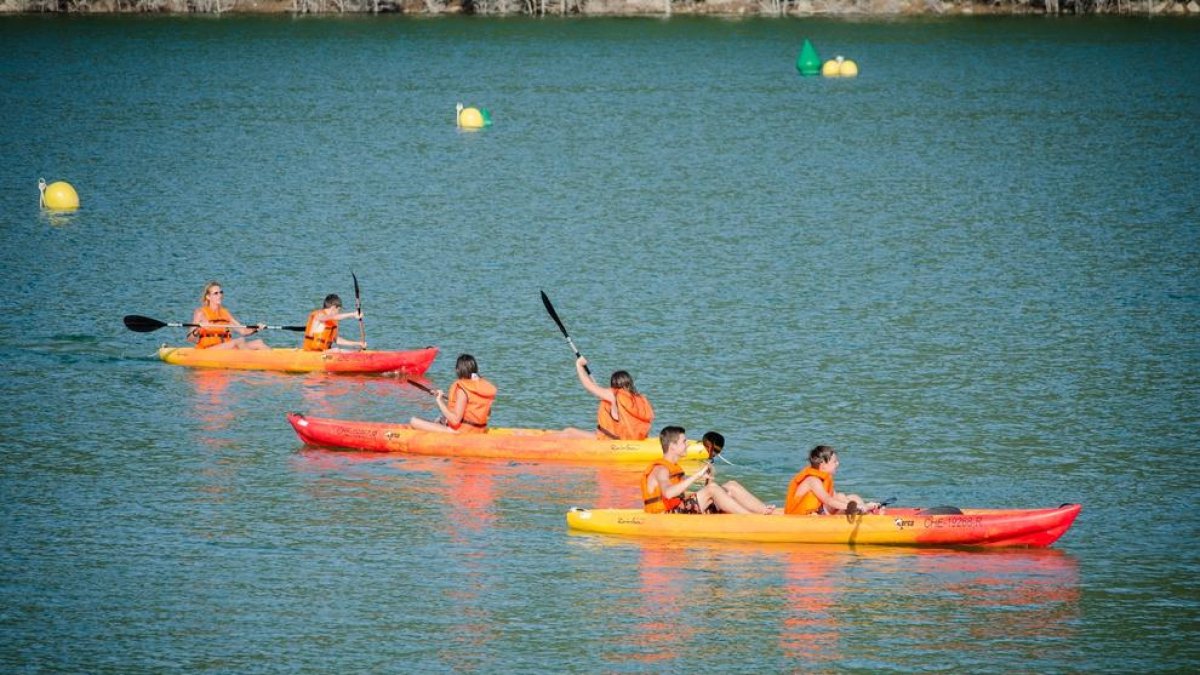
(480, 395)
(808, 503)
(207, 337)
(653, 500)
(635, 412)
(319, 342)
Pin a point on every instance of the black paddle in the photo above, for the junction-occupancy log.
(422, 387)
(144, 324)
(362, 331)
(561, 327)
(852, 509)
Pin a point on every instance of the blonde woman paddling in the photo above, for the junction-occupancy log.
(216, 325)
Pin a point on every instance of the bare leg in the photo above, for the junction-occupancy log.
(426, 425)
(241, 343)
(744, 497)
(572, 432)
(703, 499)
(848, 498)
(727, 504)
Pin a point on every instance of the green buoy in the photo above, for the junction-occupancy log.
(808, 63)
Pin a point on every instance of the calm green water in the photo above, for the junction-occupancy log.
(973, 269)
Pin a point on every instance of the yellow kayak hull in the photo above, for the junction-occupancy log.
(413, 362)
(896, 527)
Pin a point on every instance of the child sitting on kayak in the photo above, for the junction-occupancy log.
(664, 487)
(469, 405)
(714, 443)
(321, 331)
(811, 491)
(624, 413)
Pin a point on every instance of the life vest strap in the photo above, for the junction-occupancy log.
(608, 433)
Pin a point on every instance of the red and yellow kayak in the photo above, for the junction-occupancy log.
(499, 443)
(896, 527)
(413, 362)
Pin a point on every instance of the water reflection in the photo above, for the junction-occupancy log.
(661, 605)
(823, 600)
(210, 403)
(464, 493)
(1028, 599)
(809, 627)
(59, 218)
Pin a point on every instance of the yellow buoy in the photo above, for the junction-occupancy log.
(839, 67)
(58, 196)
(469, 118)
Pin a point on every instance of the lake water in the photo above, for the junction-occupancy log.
(973, 269)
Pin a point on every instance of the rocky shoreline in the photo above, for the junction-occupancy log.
(749, 8)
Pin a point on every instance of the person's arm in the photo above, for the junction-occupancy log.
(838, 501)
(193, 335)
(351, 343)
(834, 502)
(588, 383)
(863, 505)
(241, 328)
(453, 417)
(671, 491)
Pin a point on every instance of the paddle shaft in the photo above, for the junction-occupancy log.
(853, 509)
(144, 324)
(422, 387)
(561, 327)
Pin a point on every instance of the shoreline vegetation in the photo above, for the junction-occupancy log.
(613, 8)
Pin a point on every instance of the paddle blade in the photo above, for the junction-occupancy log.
(143, 324)
(355, 277)
(553, 314)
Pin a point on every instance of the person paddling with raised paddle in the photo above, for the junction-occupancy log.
(321, 330)
(624, 413)
(215, 325)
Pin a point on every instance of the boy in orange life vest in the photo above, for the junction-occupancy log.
(811, 490)
(624, 414)
(216, 324)
(469, 405)
(321, 331)
(664, 487)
